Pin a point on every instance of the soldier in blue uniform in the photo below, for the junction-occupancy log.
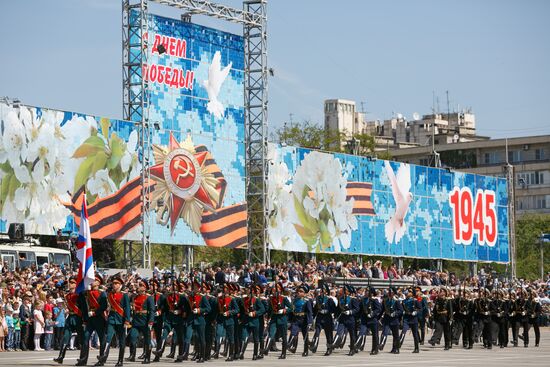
(93, 317)
(143, 314)
(301, 318)
(324, 309)
(278, 309)
(252, 312)
(73, 324)
(370, 311)
(391, 319)
(411, 308)
(422, 315)
(118, 321)
(346, 311)
(200, 307)
(210, 329)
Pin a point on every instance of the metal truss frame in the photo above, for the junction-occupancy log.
(135, 51)
(135, 105)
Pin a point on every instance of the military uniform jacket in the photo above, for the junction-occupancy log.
(520, 308)
(198, 301)
(483, 308)
(302, 310)
(411, 308)
(227, 304)
(275, 304)
(119, 303)
(498, 308)
(443, 310)
(464, 308)
(324, 308)
(143, 308)
(159, 300)
(371, 310)
(534, 310)
(347, 309)
(213, 314)
(393, 310)
(95, 305)
(252, 305)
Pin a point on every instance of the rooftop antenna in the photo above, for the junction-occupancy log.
(363, 107)
(433, 102)
(448, 106)
(290, 117)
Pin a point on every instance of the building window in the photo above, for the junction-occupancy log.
(490, 158)
(424, 162)
(514, 156)
(539, 154)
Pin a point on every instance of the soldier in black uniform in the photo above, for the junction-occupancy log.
(521, 316)
(442, 314)
(464, 313)
(483, 311)
(534, 310)
(370, 311)
(499, 312)
(323, 310)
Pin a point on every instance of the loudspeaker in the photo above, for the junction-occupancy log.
(16, 231)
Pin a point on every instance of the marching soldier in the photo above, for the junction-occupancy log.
(143, 315)
(93, 315)
(324, 309)
(278, 309)
(411, 308)
(521, 316)
(168, 307)
(73, 324)
(534, 310)
(442, 314)
(225, 326)
(484, 317)
(118, 321)
(498, 315)
(301, 318)
(158, 321)
(200, 307)
(345, 312)
(393, 310)
(184, 325)
(464, 314)
(253, 311)
(210, 321)
(422, 315)
(370, 311)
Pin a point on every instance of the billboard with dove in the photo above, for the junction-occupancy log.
(339, 203)
(49, 159)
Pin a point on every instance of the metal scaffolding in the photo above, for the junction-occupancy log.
(135, 51)
(135, 106)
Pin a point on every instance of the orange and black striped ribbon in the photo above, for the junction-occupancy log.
(362, 193)
(226, 227)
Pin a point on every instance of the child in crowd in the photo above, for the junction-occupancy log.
(48, 330)
(16, 344)
(9, 337)
(39, 324)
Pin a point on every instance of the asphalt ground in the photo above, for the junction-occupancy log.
(428, 356)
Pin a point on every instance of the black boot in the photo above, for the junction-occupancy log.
(216, 353)
(132, 356)
(120, 361)
(255, 354)
(225, 345)
(360, 344)
(283, 352)
(172, 353)
(230, 348)
(293, 344)
(146, 354)
(306, 347)
(401, 339)
(83, 360)
(61, 356)
(102, 358)
(351, 345)
(314, 344)
(268, 345)
(244, 344)
(185, 353)
(201, 349)
(382, 342)
(142, 356)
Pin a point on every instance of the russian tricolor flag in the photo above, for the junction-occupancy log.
(86, 271)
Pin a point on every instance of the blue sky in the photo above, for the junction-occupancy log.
(492, 56)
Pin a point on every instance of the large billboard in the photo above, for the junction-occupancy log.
(338, 203)
(49, 159)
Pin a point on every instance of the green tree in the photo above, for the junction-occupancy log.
(528, 231)
(310, 135)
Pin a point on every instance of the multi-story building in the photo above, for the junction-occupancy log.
(341, 115)
(529, 155)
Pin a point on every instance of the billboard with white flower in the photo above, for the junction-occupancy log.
(49, 159)
(339, 203)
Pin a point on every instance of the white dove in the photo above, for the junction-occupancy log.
(400, 187)
(216, 77)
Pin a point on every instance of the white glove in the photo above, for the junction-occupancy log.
(196, 311)
(158, 313)
(414, 313)
(91, 313)
(347, 312)
(176, 312)
(280, 312)
(323, 312)
(392, 314)
(251, 314)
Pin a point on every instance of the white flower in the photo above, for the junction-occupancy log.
(101, 184)
(10, 213)
(21, 173)
(130, 155)
(44, 146)
(14, 139)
